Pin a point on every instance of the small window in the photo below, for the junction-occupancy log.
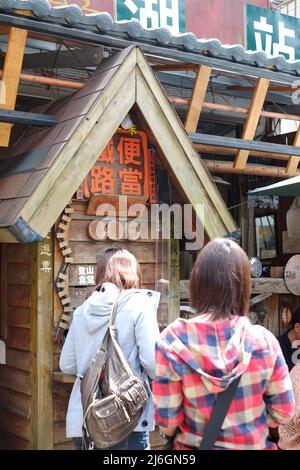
(265, 237)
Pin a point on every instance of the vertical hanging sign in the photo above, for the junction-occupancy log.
(154, 13)
(272, 32)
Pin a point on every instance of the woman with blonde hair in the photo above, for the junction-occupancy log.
(137, 329)
(201, 358)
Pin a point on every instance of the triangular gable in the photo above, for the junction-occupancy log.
(62, 156)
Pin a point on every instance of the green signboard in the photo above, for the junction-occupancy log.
(272, 32)
(154, 13)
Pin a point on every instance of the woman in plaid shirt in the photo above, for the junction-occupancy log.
(198, 358)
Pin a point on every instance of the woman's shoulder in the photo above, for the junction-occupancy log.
(134, 299)
(264, 338)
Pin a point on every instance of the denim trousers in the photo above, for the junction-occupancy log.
(136, 441)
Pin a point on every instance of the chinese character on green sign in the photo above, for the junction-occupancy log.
(154, 13)
(272, 32)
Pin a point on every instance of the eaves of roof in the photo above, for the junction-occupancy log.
(72, 16)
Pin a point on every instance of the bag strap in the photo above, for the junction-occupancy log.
(221, 406)
(123, 294)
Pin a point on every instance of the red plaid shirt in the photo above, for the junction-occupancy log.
(198, 358)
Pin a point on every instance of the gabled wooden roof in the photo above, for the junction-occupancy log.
(41, 172)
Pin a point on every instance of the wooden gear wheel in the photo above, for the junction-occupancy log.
(61, 282)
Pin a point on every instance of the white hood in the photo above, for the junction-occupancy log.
(97, 308)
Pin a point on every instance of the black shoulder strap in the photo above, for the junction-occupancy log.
(221, 406)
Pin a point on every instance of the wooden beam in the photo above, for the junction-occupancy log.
(11, 76)
(263, 285)
(250, 145)
(197, 99)
(215, 166)
(175, 67)
(282, 89)
(232, 151)
(49, 81)
(42, 295)
(251, 123)
(293, 162)
(234, 109)
(63, 378)
(32, 119)
(77, 58)
(259, 298)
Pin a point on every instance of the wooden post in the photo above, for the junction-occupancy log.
(41, 344)
(197, 99)
(174, 278)
(293, 162)
(3, 291)
(254, 114)
(11, 77)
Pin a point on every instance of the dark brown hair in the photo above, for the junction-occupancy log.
(220, 280)
(119, 267)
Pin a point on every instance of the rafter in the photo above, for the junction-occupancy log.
(197, 99)
(293, 162)
(11, 76)
(251, 123)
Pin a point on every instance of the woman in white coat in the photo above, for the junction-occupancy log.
(137, 330)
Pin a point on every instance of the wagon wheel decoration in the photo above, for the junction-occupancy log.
(61, 284)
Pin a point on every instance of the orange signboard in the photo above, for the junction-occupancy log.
(122, 168)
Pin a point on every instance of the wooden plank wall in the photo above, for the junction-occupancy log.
(15, 376)
(85, 252)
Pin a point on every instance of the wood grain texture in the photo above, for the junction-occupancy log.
(17, 381)
(41, 349)
(18, 317)
(254, 113)
(14, 402)
(15, 425)
(18, 338)
(88, 253)
(11, 76)
(197, 99)
(9, 441)
(15, 376)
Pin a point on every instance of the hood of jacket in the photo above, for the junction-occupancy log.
(219, 351)
(96, 310)
(98, 307)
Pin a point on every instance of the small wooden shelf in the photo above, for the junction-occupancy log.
(260, 285)
(264, 285)
(63, 378)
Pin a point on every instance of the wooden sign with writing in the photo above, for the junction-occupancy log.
(292, 275)
(122, 169)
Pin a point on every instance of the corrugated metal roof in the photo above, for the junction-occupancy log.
(71, 15)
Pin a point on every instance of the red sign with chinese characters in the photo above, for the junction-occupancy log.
(122, 168)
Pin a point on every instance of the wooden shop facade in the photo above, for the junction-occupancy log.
(58, 181)
(102, 122)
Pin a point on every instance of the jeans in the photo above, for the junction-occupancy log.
(77, 441)
(136, 441)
